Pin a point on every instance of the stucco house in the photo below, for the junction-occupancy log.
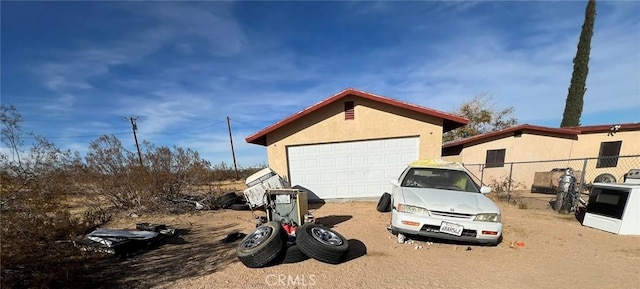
(532, 145)
(353, 143)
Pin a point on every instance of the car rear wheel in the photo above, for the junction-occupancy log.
(384, 204)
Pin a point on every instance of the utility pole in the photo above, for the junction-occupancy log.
(235, 165)
(134, 127)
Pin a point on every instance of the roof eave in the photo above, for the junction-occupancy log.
(450, 121)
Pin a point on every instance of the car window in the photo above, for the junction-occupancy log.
(439, 179)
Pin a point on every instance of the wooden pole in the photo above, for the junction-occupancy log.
(233, 154)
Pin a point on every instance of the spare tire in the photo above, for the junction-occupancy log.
(227, 200)
(605, 178)
(322, 243)
(384, 204)
(262, 246)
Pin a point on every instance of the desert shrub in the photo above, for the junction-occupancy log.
(167, 174)
(36, 226)
(507, 190)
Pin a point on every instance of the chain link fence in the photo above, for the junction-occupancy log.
(543, 176)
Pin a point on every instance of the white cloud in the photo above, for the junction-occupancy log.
(444, 53)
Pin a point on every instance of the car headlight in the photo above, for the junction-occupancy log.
(412, 210)
(488, 217)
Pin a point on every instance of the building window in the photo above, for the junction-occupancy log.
(495, 158)
(349, 112)
(609, 152)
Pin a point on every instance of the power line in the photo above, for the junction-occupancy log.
(218, 123)
(77, 136)
(190, 131)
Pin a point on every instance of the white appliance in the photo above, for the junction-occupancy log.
(615, 207)
(259, 183)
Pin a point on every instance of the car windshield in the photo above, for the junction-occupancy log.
(435, 178)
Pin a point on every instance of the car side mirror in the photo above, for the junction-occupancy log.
(485, 190)
(395, 182)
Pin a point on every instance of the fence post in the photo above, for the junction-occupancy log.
(509, 187)
(584, 174)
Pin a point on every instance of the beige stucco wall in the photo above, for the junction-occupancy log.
(527, 147)
(373, 120)
(531, 147)
(588, 146)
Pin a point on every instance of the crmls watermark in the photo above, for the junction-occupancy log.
(290, 280)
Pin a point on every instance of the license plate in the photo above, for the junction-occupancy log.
(451, 228)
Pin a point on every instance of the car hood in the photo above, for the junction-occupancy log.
(449, 201)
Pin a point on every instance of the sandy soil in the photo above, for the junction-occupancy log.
(558, 253)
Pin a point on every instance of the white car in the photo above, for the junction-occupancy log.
(439, 199)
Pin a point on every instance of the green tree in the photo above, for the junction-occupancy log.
(483, 117)
(577, 88)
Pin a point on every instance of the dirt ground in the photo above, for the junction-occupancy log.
(558, 253)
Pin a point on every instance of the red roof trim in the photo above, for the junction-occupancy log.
(607, 127)
(507, 131)
(450, 121)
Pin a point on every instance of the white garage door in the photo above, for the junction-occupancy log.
(350, 169)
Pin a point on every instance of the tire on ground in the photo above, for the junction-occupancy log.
(227, 200)
(322, 243)
(384, 204)
(239, 207)
(262, 246)
(605, 178)
(294, 255)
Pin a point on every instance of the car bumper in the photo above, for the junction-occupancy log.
(475, 232)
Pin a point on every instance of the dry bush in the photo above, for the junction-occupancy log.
(38, 185)
(166, 175)
(34, 221)
(507, 190)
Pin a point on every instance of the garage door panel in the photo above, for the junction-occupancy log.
(326, 148)
(358, 146)
(357, 161)
(375, 145)
(310, 149)
(393, 158)
(310, 164)
(342, 177)
(374, 160)
(407, 157)
(340, 147)
(326, 163)
(327, 177)
(392, 143)
(350, 169)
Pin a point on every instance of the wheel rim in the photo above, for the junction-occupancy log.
(257, 237)
(326, 236)
(604, 178)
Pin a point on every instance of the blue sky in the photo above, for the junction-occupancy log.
(75, 70)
